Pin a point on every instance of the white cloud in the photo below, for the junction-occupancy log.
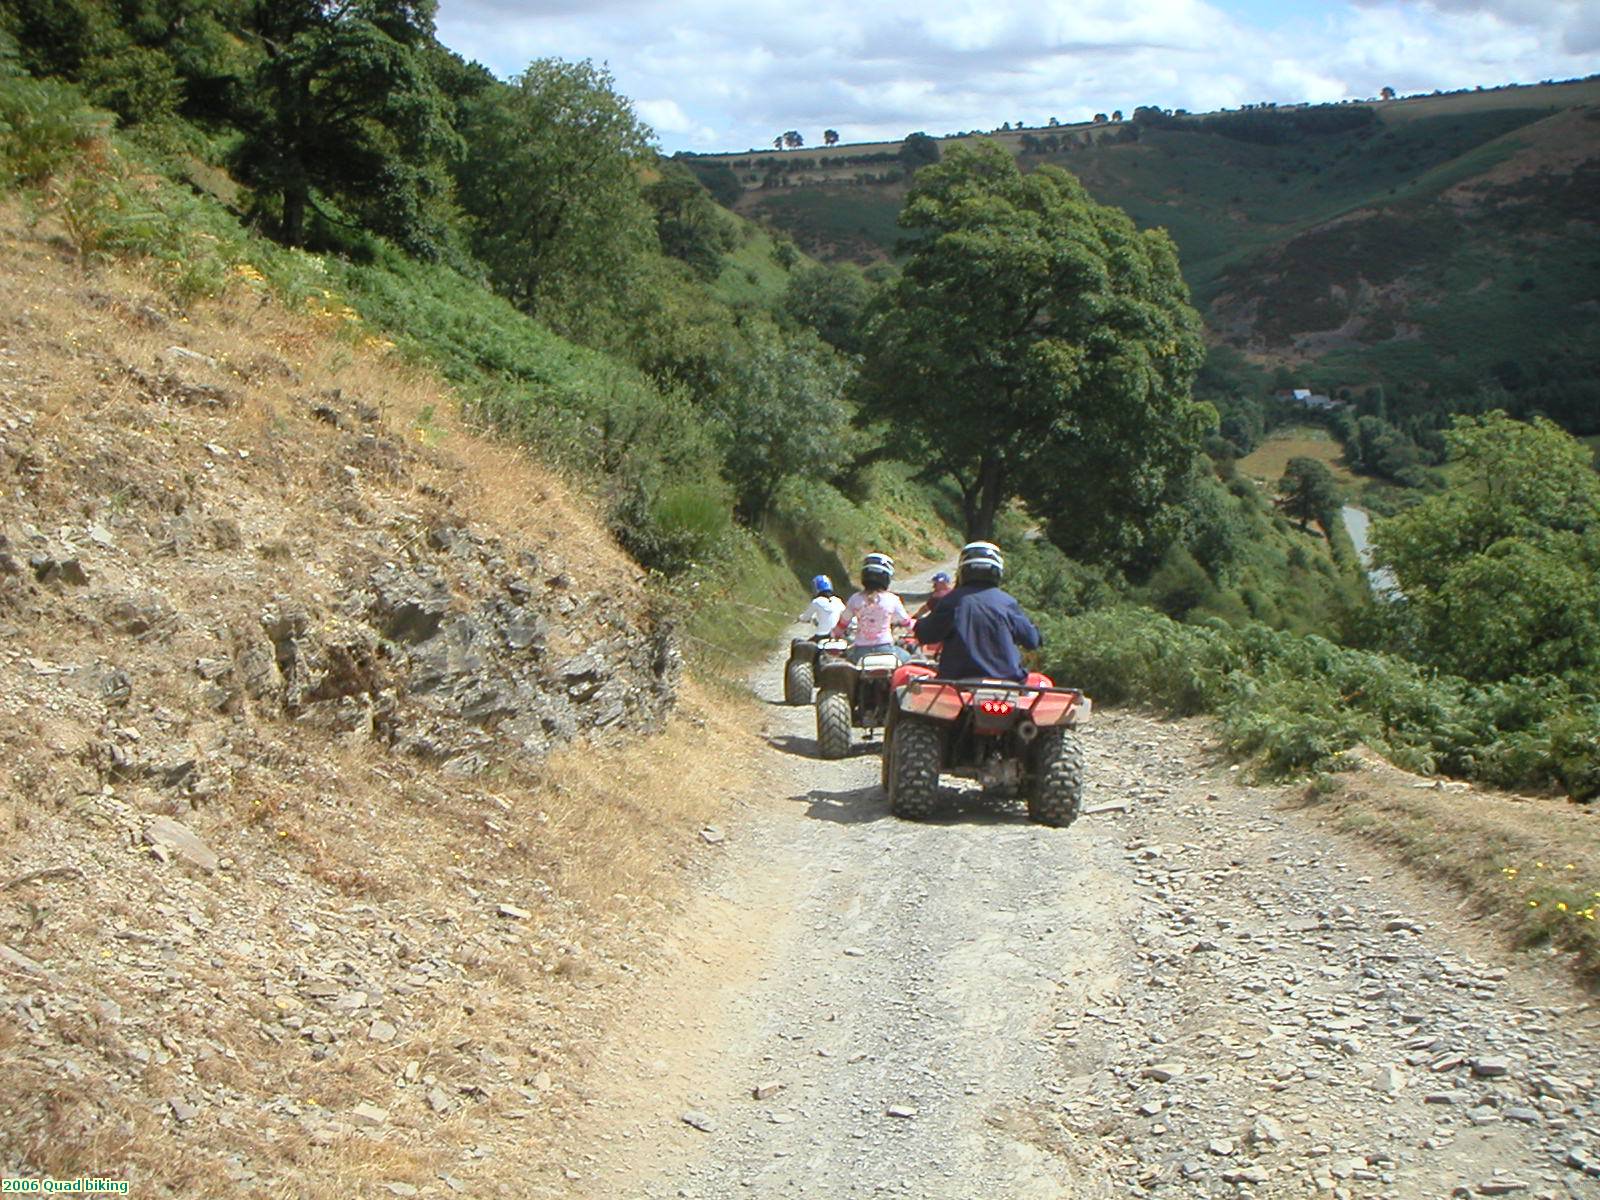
(714, 74)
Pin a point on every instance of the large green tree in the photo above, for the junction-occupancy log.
(1038, 344)
(1309, 492)
(343, 104)
(1500, 575)
(551, 182)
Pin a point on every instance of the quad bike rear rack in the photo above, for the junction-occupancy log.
(987, 685)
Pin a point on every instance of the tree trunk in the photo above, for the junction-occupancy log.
(983, 502)
(969, 506)
(294, 213)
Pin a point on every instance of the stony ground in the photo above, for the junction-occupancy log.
(1195, 991)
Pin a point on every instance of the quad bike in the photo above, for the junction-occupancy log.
(1005, 735)
(799, 673)
(851, 695)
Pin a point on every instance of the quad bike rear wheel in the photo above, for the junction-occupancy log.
(833, 724)
(914, 769)
(1056, 794)
(797, 682)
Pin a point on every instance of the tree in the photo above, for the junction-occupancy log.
(1053, 122)
(792, 139)
(551, 183)
(1116, 115)
(1100, 118)
(1037, 343)
(343, 104)
(777, 142)
(688, 223)
(830, 137)
(1501, 573)
(1387, 93)
(918, 150)
(782, 415)
(829, 299)
(1309, 492)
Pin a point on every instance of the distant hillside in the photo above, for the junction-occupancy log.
(1433, 244)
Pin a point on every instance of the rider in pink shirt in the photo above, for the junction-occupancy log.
(874, 610)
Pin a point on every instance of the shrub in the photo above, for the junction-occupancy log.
(1296, 704)
(43, 126)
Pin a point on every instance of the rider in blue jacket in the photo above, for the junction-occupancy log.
(980, 625)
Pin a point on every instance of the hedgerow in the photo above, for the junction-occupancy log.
(1295, 704)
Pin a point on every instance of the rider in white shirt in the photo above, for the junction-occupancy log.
(823, 613)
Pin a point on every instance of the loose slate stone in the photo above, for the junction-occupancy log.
(1162, 1072)
(178, 838)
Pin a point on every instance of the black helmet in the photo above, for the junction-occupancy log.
(981, 562)
(877, 572)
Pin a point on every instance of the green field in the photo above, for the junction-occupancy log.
(1268, 461)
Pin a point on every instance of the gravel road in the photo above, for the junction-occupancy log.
(1200, 993)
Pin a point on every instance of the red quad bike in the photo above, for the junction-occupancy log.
(1003, 734)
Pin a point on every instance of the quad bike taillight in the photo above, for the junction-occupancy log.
(996, 708)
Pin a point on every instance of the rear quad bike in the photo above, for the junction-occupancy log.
(799, 673)
(1005, 735)
(850, 695)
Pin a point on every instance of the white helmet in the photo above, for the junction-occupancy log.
(981, 562)
(877, 571)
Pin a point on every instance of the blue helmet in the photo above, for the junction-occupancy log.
(941, 577)
(821, 583)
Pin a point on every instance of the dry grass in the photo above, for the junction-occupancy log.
(348, 862)
(1531, 864)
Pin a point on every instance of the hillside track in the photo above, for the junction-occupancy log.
(1198, 993)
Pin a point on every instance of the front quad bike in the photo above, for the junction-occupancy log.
(799, 673)
(1003, 734)
(850, 695)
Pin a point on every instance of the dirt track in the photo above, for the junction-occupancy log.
(1204, 995)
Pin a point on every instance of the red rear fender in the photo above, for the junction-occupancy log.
(939, 701)
(912, 671)
(1055, 708)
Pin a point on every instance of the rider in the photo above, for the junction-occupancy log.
(941, 589)
(980, 625)
(823, 613)
(874, 609)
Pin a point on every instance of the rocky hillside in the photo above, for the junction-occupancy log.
(319, 807)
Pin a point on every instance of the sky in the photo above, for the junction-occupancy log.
(711, 75)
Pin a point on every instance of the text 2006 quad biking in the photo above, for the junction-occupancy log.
(1005, 735)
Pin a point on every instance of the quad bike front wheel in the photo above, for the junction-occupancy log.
(797, 682)
(833, 724)
(915, 758)
(1056, 794)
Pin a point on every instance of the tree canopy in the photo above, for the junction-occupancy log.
(1501, 574)
(1309, 492)
(1038, 344)
(343, 103)
(551, 182)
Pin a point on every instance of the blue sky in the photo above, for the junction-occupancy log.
(732, 74)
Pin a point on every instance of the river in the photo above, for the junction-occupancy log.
(1382, 581)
